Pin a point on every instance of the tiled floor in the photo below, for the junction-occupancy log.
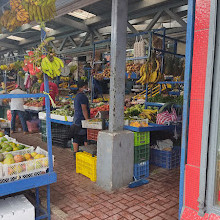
(76, 197)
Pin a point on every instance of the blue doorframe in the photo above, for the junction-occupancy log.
(187, 90)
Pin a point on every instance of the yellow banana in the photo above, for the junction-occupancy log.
(60, 61)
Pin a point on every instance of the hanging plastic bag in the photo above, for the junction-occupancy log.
(141, 50)
(136, 50)
(166, 117)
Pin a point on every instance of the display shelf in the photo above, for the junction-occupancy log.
(61, 122)
(46, 179)
(29, 183)
(151, 127)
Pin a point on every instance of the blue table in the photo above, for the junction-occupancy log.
(152, 127)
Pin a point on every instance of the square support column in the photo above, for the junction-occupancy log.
(115, 148)
(118, 64)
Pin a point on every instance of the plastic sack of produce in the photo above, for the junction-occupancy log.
(166, 117)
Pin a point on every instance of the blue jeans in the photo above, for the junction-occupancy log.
(21, 116)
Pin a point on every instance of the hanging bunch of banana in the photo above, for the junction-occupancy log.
(40, 10)
(52, 67)
(148, 75)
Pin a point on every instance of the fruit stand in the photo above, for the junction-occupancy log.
(41, 177)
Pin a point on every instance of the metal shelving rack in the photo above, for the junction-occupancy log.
(163, 51)
(41, 180)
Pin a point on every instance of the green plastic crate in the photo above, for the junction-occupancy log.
(141, 153)
(141, 138)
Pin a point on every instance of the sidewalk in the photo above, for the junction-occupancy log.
(76, 197)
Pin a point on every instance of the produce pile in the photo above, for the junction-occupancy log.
(133, 68)
(63, 111)
(98, 100)
(25, 11)
(8, 146)
(167, 99)
(64, 85)
(34, 102)
(10, 159)
(130, 68)
(138, 123)
(17, 159)
(94, 111)
(139, 112)
(104, 75)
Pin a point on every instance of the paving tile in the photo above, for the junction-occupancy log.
(87, 214)
(100, 214)
(113, 211)
(140, 215)
(157, 218)
(167, 217)
(127, 215)
(115, 217)
(153, 213)
(133, 209)
(79, 198)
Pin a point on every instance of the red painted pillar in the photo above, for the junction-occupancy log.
(200, 51)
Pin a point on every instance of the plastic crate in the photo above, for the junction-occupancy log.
(86, 165)
(141, 153)
(141, 138)
(166, 159)
(92, 124)
(92, 134)
(60, 142)
(141, 170)
(24, 169)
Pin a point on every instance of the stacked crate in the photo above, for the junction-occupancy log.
(141, 154)
(59, 132)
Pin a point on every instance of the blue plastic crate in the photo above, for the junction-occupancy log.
(141, 170)
(166, 159)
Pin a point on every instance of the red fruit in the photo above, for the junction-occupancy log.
(43, 56)
(31, 53)
(32, 72)
(37, 70)
(25, 68)
(30, 66)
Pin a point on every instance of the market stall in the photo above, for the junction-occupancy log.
(152, 107)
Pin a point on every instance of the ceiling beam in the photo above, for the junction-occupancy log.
(97, 34)
(8, 45)
(154, 20)
(72, 41)
(84, 39)
(63, 44)
(72, 23)
(150, 6)
(82, 49)
(132, 28)
(66, 6)
(176, 17)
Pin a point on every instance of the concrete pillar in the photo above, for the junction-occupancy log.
(115, 151)
(118, 62)
(115, 159)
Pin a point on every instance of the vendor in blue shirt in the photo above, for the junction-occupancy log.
(81, 112)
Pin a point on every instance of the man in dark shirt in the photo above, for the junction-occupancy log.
(81, 112)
